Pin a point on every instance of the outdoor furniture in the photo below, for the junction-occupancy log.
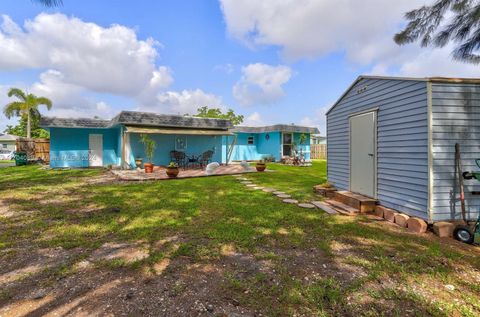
(205, 158)
(193, 161)
(179, 158)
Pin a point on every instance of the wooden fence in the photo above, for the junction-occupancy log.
(318, 151)
(36, 149)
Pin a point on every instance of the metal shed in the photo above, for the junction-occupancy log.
(393, 139)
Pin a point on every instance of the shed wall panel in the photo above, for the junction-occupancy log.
(402, 141)
(456, 115)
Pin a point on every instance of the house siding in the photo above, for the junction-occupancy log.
(402, 141)
(455, 119)
(69, 146)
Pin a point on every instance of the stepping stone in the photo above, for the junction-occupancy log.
(243, 179)
(246, 182)
(307, 205)
(269, 190)
(278, 193)
(325, 207)
(258, 187)
(284, 196)
(251, 185)
(290, 201)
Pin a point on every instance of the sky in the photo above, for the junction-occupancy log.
(274, 61)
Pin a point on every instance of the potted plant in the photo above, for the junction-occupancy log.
(172, 170)
(149, 146)
(261, 166)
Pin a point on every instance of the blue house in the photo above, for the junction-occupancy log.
(93, 142)
(276, 141)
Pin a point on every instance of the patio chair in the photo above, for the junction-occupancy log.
(179, 158)
(205, 158)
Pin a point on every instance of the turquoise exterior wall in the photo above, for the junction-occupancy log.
(69, 146)
(196, 145)
(260, 148)
(263, 146)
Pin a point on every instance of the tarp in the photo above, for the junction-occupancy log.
(148, 130)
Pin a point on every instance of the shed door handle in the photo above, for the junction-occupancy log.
(370, 154)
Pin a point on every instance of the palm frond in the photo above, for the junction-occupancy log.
(13, 109)
(50, 3)
(44, 101)
(17, 93)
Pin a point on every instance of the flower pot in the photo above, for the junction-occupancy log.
(261, 167)
(148, 167)
(138, 162)
(172, 171)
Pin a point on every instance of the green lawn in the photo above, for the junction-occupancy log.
(6, 161)
(212, 240)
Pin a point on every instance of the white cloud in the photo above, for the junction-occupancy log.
(81, 59)
(68, 99)
(361, 30)
(254, 120)
(318, 120)
(102, 59)
(184, 102)
(261, 84)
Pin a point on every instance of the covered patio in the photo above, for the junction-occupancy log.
(159, 173)
(190, 148)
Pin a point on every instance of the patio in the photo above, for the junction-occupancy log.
(159, 173)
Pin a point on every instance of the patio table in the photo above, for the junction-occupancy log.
(193, 161)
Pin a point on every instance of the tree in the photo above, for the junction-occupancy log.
(21, 128)
(27, 106)
(50, 3)
(206, 112)
(428, 24)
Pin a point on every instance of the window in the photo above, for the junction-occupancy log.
(250, 140)
(4, 146)
(181, 143)
(287, 144)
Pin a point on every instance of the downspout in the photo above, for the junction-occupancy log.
(430, 151)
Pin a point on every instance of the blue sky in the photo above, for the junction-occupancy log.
(273, 61)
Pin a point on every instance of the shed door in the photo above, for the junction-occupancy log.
(363, 154)
(95, 150)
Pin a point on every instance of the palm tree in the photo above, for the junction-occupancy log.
(50, 3)
(445, 21)
(26, 106)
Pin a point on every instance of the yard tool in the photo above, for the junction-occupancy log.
(468, 233)
(458, 166)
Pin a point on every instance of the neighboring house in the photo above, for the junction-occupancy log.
(256, 143)
(394, 139)
(93, 142)
(8, 142)
(318, 139)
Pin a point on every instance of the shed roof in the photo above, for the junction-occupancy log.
(276, 128)
(425, 79)
(135, 118)
(8, 137)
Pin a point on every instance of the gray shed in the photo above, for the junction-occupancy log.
(393, 139)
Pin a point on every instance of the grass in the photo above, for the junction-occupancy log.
(385, 271)
(6, 161)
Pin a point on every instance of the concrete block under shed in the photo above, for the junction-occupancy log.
(378, 211)
(443, 229)
(389, 214)
(416, 225)
(401, 220)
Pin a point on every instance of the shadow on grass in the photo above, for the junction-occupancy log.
(369, 267)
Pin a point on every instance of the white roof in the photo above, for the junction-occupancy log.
(8, 137)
